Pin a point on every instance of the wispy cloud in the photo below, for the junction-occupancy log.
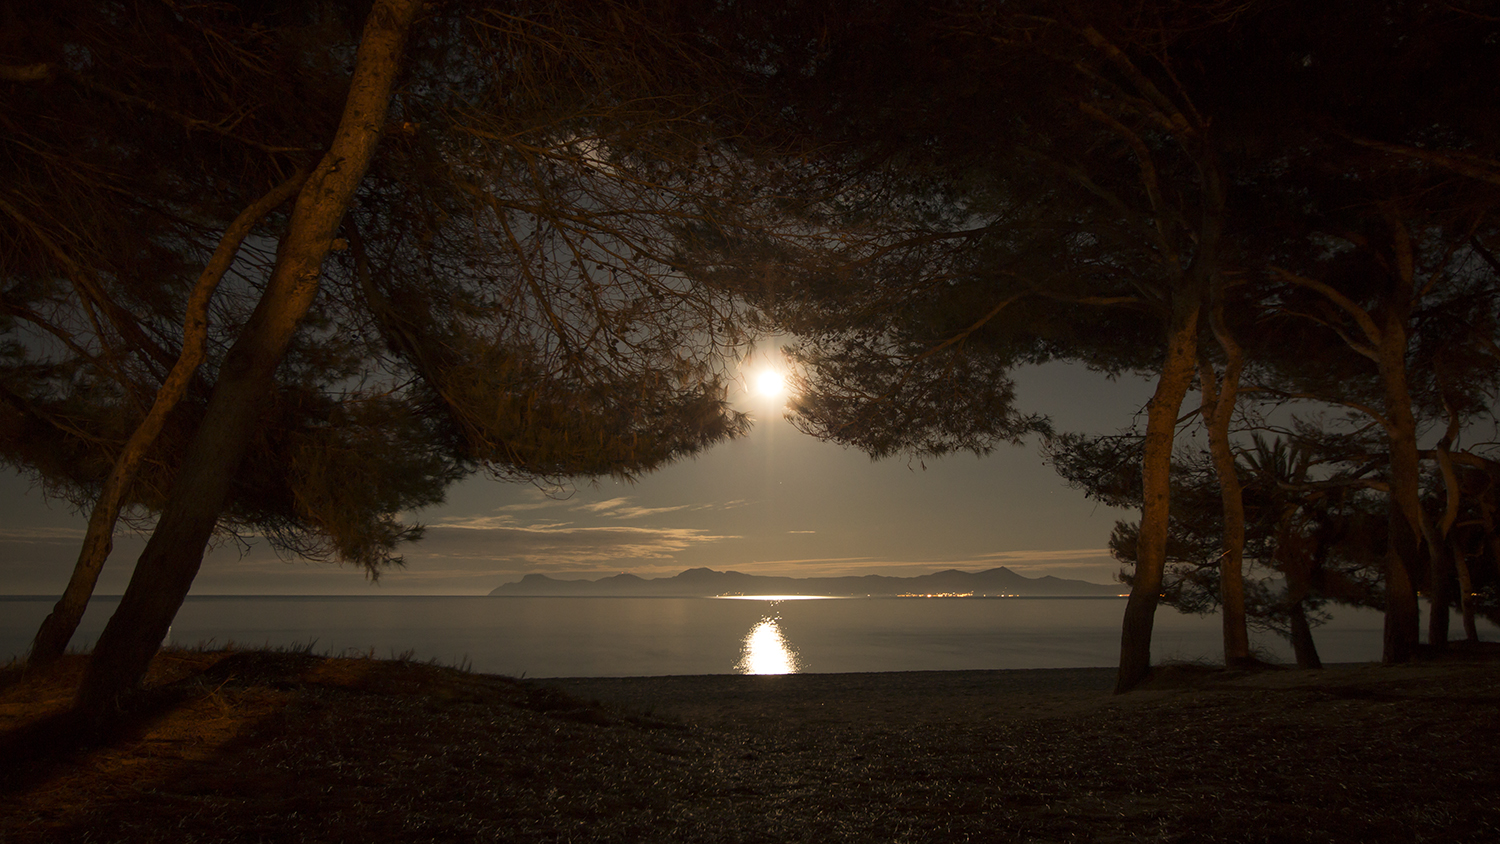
(621, 508)
(1038, 556)
(549, 546)
(801, 531)
(46, 534)
(1033, 563)
(641, 512)
(814, 560)
(475, 522)
(601, 506)
(528, 506)
(1062, 568)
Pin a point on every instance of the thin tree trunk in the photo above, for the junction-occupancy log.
(166, 569)
(1465, 593)
(1218, 411)
(1402, 615)
(1447, 556)
(1156, 469)
(57, 629)
(1385, 344)
(1466, 583)
(1303, 646)
(1440, 599)
(1439, 583)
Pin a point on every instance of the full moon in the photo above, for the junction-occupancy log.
(769, 383)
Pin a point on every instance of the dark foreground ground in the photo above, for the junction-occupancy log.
(255, 746)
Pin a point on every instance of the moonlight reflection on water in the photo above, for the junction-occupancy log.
(765, 651)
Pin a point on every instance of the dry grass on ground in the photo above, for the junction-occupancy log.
(255, 746)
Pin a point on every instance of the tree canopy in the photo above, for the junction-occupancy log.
(291, 269)
(1202, 192)
(493, 285)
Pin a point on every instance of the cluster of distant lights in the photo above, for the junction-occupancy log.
(740, 597)
(949, 595)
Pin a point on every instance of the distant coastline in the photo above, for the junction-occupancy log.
(706, 583)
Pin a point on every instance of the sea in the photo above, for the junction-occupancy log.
(628, 637)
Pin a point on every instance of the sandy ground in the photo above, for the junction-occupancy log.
(936, 697)
(255, 746)
(921, 696)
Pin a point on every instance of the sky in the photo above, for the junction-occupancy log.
(776, 502)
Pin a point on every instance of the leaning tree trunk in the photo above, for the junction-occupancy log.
(167, 567)
(58, 627)
(1384, 341)
(1219, 396)
(1454, 562)
(1402, 615)
(1156, 469)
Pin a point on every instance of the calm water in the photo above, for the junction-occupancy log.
(602, 637)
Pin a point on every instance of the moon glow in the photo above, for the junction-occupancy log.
(769, 383)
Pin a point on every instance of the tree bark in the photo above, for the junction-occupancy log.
(1402, 615)
(1303, 646)
(58, 627)
(166, 569)
(1219, 396)
(1156, 469)
(1385, 343)
(1445, 545)
(1465, 594)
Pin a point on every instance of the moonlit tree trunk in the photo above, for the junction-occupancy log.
(166, 569)
(1219, 396)
(1402, 615)
(1445, 546)
(1175, 378)
(1381, 336)
(57, 629)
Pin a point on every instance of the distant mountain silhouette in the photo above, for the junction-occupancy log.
(705, 582)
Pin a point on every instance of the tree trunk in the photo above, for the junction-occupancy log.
(1466, 582)
(1303, 646)
(1402, 615)
(58, 627)
(167, 567)
(1465, 593)
(1448, 559)
(1218, 412)
(1440, 594)
(1156, 469)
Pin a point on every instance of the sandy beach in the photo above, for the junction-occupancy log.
(292, 747)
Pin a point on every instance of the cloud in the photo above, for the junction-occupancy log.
(1106, 565)
(548, 546)
(1085, 563)
(620, 508)
(475, 522)
(639, 512)
(1046, 556)
(45, 534)
(801, 531)
(601, 506)
(529, 505)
